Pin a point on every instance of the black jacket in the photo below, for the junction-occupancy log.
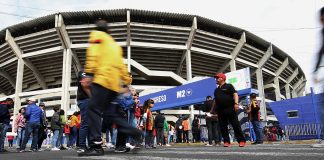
(55, 122)
(4, 113)
(159, 121)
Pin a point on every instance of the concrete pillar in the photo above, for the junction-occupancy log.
(233, 65)
(294, 93)
(19, 83)
(129, 58)
(128, 42)
(66, 79)
(189, 77)
(287, 88)
(277, 90)
(263, 107)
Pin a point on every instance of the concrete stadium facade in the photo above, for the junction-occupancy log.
(161, 49)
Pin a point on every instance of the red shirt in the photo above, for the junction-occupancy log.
(137, 110)
(10, 138)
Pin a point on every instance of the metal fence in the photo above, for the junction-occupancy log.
(304, 131)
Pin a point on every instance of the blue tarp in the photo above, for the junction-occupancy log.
(188, 94)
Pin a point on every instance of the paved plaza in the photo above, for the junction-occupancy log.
(260, 152)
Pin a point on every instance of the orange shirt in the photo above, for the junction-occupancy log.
(185, 124)
(74, 121)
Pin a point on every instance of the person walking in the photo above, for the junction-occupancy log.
(20, 126)
(34, 116)
(83, 96)
(166, 133)
(56, 127)
(226, 105)
(43, 127)
(74, 121)
(5, 115)
(186, 128)
(148, 123)
(10, 139)
(195, 130)
(254, 116)
(64, 129)
(159, 125)
(212, 123)
(179, 130)
(104, 63)
(318, 75)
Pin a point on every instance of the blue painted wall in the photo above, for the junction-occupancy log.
(310, 110)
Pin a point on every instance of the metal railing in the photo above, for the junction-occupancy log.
(304, 131)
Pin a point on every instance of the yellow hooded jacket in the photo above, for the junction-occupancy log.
(105, 62)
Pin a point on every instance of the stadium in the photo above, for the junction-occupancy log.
(42, 57)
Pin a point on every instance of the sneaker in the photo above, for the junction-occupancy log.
(111, 146)
(208, 145)
(69, 148)
(131, 147)
(218, 144)
(226, 144)
(168, 145)
(55, 149)
(40, 150)
(242, 144)
(121, 150)
(81, 150)
(320, 144)
(21, 151)
(63, 148)
(148, 147)
(257, 143)
(92, 152)
(34, 150)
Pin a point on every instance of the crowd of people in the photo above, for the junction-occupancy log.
(111, 115)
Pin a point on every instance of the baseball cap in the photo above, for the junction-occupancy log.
(220, 75)
(41, 104)
(33, 99)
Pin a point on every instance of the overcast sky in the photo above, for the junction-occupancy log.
(292, 25)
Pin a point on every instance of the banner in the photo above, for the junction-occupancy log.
(240, 79)
(196, 92)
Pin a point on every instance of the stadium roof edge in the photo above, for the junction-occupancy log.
(159, 17)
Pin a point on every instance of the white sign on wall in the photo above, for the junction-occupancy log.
(240, 79)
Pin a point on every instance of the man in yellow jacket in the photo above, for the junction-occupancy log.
(104, 63)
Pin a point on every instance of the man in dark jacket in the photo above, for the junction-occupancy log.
(55, 126)
(83, 96)
(179, 129)
(195, 130)
(211, 123)
(255, 118)
(159, 125)
(43, 127)
(34, 116)
(4, 120)
(226, 100)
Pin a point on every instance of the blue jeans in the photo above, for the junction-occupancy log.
(55, 138)
(60, 142)
(83, 133)
(257, 131)
(133, 122)
(73, 136)
(20, 136)
(31, 127)
(3, 131)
